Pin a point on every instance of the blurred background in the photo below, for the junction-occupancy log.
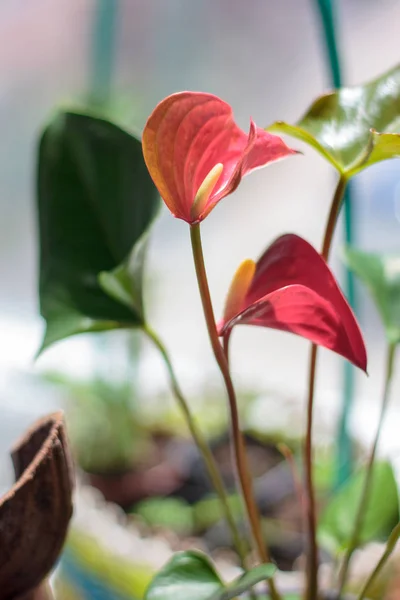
(268, 61)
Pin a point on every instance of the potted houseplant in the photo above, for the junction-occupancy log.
(98, 193)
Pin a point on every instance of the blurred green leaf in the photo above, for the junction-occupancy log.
(207, 512)
(338, 518)
(95, 201)
(381, 275)
(324, 464)
(173, 513)
(190, 575)
(353, 127)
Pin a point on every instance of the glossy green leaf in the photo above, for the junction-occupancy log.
(191, 575)
(353, 127)
(187, 575)
(95, 202)
(381, 275)
(338, 518)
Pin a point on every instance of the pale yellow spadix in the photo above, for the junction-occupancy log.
(239, 288)
(204, 191)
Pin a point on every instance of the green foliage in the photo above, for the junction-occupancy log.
(103, 425)
(183, 518)
(172, 513)
(208, 512)
(324, 469)
(353, 127)
(191, 575)
(337, 520)
(381, 275)
(187, 575)
(96, 202)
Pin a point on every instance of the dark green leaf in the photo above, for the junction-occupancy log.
(95, 201)
(244, 583)
(353, 127)
(337, 521)
(188, 575)
(381, 275)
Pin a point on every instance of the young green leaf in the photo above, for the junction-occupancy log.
(95, 203)
(337, 520)
(191, 575)
(187, 575)
(124, 283)
(353, 127)
(381, 275)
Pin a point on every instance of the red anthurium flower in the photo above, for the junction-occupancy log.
(197, 155)
(291, 288)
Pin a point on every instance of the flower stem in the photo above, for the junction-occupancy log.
(237, 437)
(355, 538)
(312, 567)
(202, 445)
(333, 216)
(311, 516)
(390, 546)
(296, 476)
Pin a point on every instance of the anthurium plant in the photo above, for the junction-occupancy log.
(99, 190)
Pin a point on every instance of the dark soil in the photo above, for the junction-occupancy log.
(177, 470)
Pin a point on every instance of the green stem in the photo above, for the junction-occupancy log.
(333, 216)
(202, 445)
(312, 566)
(238, 441)
(345, 446)
(390, 546)
(355, 538)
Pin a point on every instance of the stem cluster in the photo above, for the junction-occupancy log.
(220, 351)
